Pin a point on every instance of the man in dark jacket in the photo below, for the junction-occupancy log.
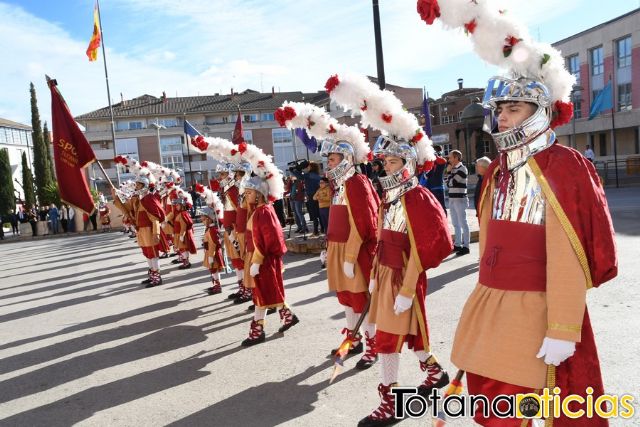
(435, 177)
(311, 177)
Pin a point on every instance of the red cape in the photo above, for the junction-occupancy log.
(189, 236)
(428, 227)
(362, 196)
(153, 207)
(267, 238)
(570, 184)
(572, 189)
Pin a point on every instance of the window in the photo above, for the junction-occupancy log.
(624, 97)
(172, 161)
(127, 125)
(126, 147)
(168, 123)
(573, 65)
(249, 118)
(171, 144)
(577, 104)
(594, 95)
(446, 148)
(597, 61)
(447, 119)
(105, 145)
(603, 143)
(267, 117)
(281, 136)
(624, 52)
(486, 147)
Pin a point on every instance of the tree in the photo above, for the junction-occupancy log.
(47, 143)
(40, 159)
(7, 200)
(27, 183)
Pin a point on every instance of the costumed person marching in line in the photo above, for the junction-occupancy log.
(526, 326)
(351, 236)
(183, 235)
(241, 171)
(170, 182)
(211, 217)
(230, 194)
(413, 236)
(105, 219)
(146, 214)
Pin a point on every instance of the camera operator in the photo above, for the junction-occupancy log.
(309, 172)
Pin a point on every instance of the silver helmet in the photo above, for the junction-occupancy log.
(229, 169)
(208, 212)
(391, 146)
(501, 89)
(246, 169)
(145, 181)
(258, 184)
(346, 166)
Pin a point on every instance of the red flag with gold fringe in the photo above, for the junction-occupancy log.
(71, 152)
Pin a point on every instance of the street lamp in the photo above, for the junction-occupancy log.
(158, 126)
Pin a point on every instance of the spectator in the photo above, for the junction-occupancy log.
(23, 215)
(377, 170)
(64, 218)
(71, 215)
(33, 221)
(43, 224)
(13, 220)
(434, 181)
(94, 219)
(323, 197)
(311, 177)
(85, 220)
(297, 199)
(589, 154)
(481, 167)
(458, 201)
(54, 217)
(105, 218)
(101, 198)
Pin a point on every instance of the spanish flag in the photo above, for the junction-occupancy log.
(94, 43)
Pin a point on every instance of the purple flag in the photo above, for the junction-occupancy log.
(427, 115)
(309, 141)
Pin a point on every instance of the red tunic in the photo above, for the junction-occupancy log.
(265, 237)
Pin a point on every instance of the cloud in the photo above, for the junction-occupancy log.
(203, 47)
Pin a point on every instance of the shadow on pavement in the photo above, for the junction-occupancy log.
(268, 404)
(82, 405)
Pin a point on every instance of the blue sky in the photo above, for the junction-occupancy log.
(208, 46)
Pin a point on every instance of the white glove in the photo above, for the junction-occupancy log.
(210, 260)
(402, 304)
(372, 285)
(254, 270)
(349, 269)
(182, 238)
(556, 351)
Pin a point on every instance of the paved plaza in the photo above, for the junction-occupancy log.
(83, 343)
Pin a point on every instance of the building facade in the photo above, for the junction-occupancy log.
(152, 128)
(608, 53)
(16, 139)
(451, 132)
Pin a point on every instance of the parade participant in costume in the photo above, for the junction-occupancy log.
(228, 154)
(351, 237)
(525, 326)
(213, 235)
(241, 171)
(146, 214)
(183, 228)
(169, 182)
(157, 171)
(105, 219)
(413, 236)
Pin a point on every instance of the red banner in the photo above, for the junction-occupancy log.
(238, 137)
(71, 152)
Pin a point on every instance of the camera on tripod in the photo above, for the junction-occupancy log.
(298, 165)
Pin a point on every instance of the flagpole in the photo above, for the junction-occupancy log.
(106, 78)
(613, 112)
(186, 139)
